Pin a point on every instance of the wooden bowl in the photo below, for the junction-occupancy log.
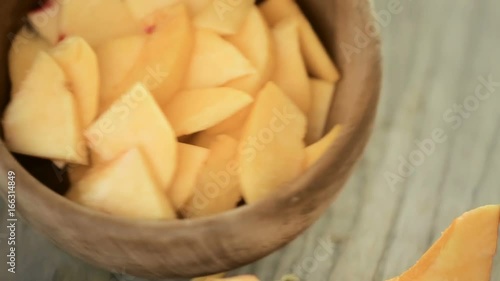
(197, 247)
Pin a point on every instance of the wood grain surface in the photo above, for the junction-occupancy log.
(436, 54)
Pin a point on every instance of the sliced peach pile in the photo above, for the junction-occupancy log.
(464, 252)
(188, 107)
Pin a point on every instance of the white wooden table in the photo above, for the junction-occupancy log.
(435, 53)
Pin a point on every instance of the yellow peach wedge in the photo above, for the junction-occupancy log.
(318, 149)
(464, 252)
(124, 187)
(116, 59)
(321, 100)
(318, 61)
(215, 62)
(79, 62)
(272, 149)
(97, 21)
(217, 189)
(25, 47)
(136, 120)
(290, 73)
(196, 110)
(42, 119)
(191, 160)
(140, 9)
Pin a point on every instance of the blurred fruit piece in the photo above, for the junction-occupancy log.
(42, 118)
(79, 62)
(196, 6)
(315, 151)
(135, 120)
(272, 149)
(319, 63)
(116, 59)
(163, 62)
(215, 62)
(140, 9)
(255, 42)
(76, 173)
(196, 110)
(25, 47)
(250, 84)
(224, 16)
(217, 189)
(464, 252)
(97, 21)
(290, 73)
(124, 187)
(45, 20)
(321, 101)
(191, 160)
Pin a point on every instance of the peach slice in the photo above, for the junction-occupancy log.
(224, 16)
(290, 73)
(124, 187)
(318, 149)
(206, 138)
(318, 62)
(25, 47)
(96, 20)
(42, 119)
(217, 189)
(163, 63)
(116, 59)
(196, 110)
(191, 160)
(215, 62)
(276, 10)
(255, 42)
(79, 62)
(251, 83)
(77, 172)
(45, 20)
(232, 126)
(196, 6)
(140, 9)
(464, 252)
(136, 120)
(272, 149)
(321, 101)
(203, 139)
